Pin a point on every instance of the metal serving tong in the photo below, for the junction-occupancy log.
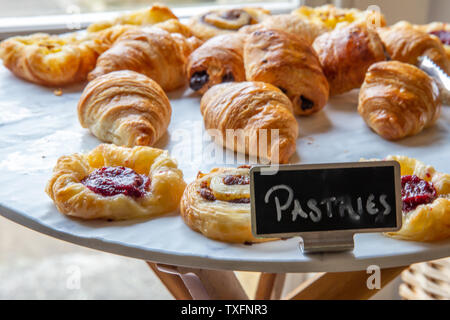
(441, 78)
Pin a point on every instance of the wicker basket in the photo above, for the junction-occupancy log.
(426, 281)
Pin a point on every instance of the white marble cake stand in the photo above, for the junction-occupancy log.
(37, 126)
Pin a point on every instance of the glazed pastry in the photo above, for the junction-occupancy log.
(221, 21)
(149, 16)
(240, 114)
(289, 63)
(290, 23)
(125, 108)
(331, 17)
(398, 100)
(154, 52)
(440, 30)
(426, 202)
(405, 43)
(49, 60)
(116, 183)
(217, 204)
(346, 53)
(217, 60)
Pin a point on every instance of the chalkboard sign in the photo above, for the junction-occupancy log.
(316, 199)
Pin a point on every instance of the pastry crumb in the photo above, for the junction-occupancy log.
(58, 92)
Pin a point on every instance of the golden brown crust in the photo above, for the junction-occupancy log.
(221, 21)
(289, 63)
(405, 43)
(125, 108)
(49, 60)
(218, 218)
(220, 59)
(154, 52)
(345, 55)
(248, 108)
(398, 100)
(73, 198)
(434, 28)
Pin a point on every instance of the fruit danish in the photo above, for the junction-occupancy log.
(217, 204)
(125, 108)
(254, 118)
(398, 100)
(116, 183)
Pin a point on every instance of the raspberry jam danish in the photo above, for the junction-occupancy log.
(116, 183)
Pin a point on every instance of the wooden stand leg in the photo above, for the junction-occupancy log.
(173, 283)
(270, 286)
(341, 285)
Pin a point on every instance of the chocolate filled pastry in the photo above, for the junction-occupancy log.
(116, 183)
(125, 108)
(254, 118)
(220, 59)
(217, 204)
(221, 21)
(405, 43)
(289, 63)
(345, 55)
(158, 54)
(398, 100)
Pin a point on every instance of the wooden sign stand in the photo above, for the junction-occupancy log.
(327, 242)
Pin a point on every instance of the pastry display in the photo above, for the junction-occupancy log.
(346, 53)
(116, 183)
(289, 63)
(242, 116)
(217, 204)
(398, 100)
(158, 54)
(125, 108)
(440, 30)
(405, 43)
(221, 21)
(331, 17)
(220, 59)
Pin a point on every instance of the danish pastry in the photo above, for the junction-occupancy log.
(405, 43)
(398, 99)
(217, 204)
(221, 21)
(426, 202)
(289, 63)
(49, 60)
(125, 108)
(220, 59)
(116, 183)
(346, 53)
(440, 30)
(254, 118)
(158, 54)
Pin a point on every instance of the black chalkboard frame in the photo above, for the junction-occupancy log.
(328, 235)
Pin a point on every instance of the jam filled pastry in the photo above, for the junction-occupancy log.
(49, 60)
(158, 54)
(217, 60)
(405, 43)
(345, 55)
(426, 202)
(398, 100)
(125, 108)
(289, 63)
(116, 183)
(221, 21)
(440, 30)
(217, 204)
(243, 115)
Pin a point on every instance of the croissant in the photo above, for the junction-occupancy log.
(49, 60)
(345, 55)
(220, 59)
(289, 63)
(398, 100)
(125, 108)
(405, 43)
(254, 118)
(221, 21)
(154, 52)
(440, 30)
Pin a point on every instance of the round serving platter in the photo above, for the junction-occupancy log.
(37, 126)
